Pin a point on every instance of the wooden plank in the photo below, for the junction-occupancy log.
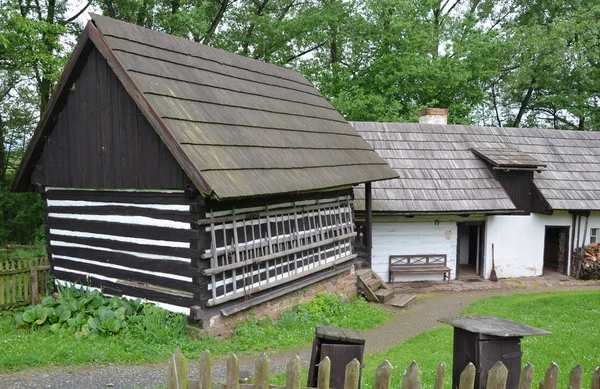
(130, 290)
(283, 281)
(130, 261)
(180, 216)
(551, 377)
(383, 376)
(175, 197)
(324, 374)
(497, 377)
(467, 377)
(121, 229)
(261, 372)
(177, 371)
(440, 376)
(205, 371)
(275, 255)
(102, 244)
(575, 378)
(411, 379)
(526, 378)
(352, 376)
(232, 380)
(127, 275)
(596, 379)
(293, 373)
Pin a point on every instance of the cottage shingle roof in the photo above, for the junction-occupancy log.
(237, 126)
(439, 172)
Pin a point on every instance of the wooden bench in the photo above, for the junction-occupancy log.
(419, 264)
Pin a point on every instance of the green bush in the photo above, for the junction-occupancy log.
(21, 217)
(83, 312)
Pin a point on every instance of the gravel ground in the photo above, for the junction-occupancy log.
(420, 316)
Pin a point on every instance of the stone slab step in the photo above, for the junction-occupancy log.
(401, 300)
(384, 295)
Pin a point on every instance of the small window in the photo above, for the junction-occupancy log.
(594, 235)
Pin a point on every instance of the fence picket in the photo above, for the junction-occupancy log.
(261, 372)
(205, 371)
(551, 377)
(293, 371)
(383, 376)
(177, 378)
(233, 372)
(497, 377)
(575, 377)
(596, 379)
(467, 377)
(177, 370)
(411, 379)
(352, 377)
(440, 376)
(526, 378)
(324, 373)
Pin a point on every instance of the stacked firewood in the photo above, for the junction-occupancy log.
(590, 267)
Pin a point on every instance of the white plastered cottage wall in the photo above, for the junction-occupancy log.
(518, 241)
(399, 235)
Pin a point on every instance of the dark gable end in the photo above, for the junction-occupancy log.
(237, 127)
(102, 140)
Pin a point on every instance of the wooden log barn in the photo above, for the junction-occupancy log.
(198, 179)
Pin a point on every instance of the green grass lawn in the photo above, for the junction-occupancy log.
(572, 317)
(23, 349)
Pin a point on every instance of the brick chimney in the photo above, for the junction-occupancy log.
(433, 116)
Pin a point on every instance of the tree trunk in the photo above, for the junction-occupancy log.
(524, 104)
(218, 17)
(2, 152)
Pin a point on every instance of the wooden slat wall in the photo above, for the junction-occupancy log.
(260, 248)
(135, 244)
(102, 140)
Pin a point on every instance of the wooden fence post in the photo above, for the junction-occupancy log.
(233, 372)
(596, 379)
(526, 378)
(324, 373)
(575, 377)
(33, 282)
(261, 372)
(352, 374)
(412, 377)
(293, 371)
(177, 371)
(440, 376)
(383, 376)
(497, 377)
(467, 377)
(551, 377)
(205, 371)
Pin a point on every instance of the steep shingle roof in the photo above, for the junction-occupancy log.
(249, 128)
(439, 172)
(237, 126)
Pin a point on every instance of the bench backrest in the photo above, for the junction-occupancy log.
(425, 259)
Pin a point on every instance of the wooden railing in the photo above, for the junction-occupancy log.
(177, 375)
(23, 278)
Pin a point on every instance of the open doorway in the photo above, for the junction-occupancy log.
(556, 243)
(470, 250)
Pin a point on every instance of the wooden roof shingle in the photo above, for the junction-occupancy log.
(238, 127)
(440, 160)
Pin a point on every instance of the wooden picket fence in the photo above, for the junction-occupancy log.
(24, 276)
(177, 375)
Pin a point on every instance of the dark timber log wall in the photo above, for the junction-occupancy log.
(136, 244)
(101, 139)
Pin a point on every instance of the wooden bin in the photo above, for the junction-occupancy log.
(341, 345)
(485, 340)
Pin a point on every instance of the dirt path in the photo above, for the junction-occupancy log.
(420, 317)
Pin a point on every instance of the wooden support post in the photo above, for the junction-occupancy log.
(575, 378)
(293, 372)
(352, 376)
(467, 377)
(497, 377)
(324, 374)
(582, 254)
(411, 379)
(205, 371)
(383, 376)
(440, 376)
(368, 221)
(526, 378)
